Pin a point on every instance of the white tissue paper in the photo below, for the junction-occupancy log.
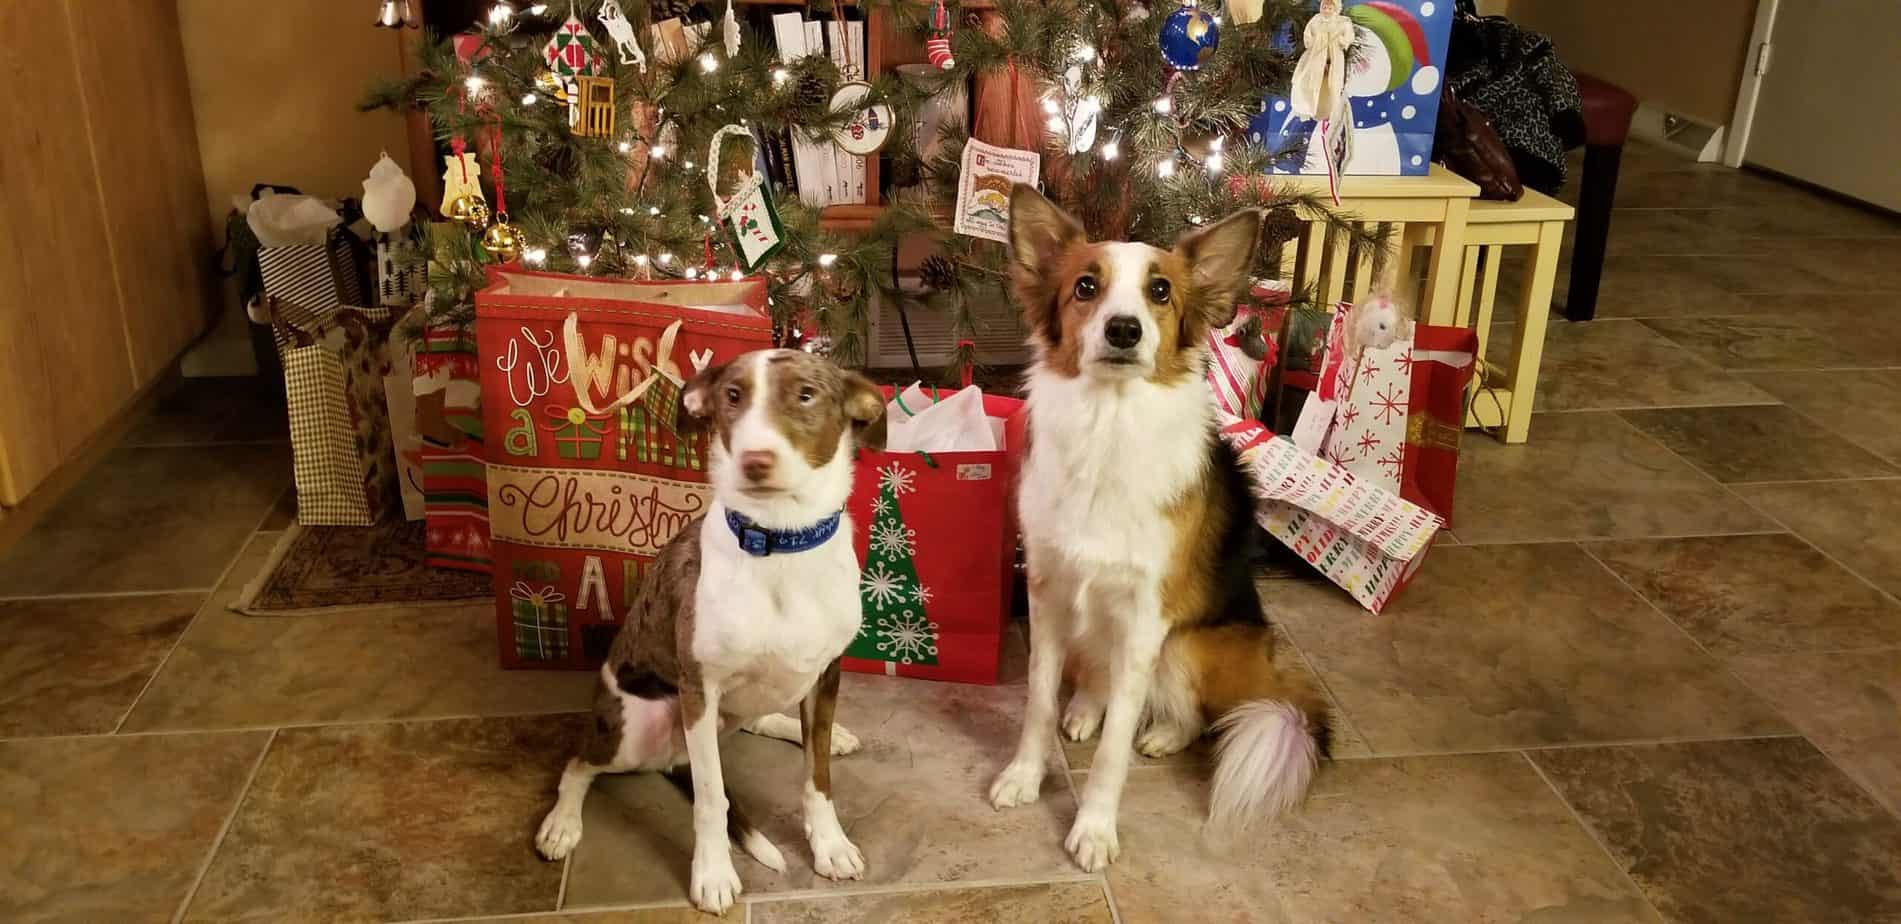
(280, 221)
(955, 424)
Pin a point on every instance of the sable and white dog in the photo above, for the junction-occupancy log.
(1136, 523)
(743, 614)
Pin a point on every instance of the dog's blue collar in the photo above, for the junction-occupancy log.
(758, 541)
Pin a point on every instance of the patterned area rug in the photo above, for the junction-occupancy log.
(329, 568)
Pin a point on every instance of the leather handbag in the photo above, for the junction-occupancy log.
(1467, 144)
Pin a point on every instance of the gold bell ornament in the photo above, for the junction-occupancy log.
(502, 240)
(471, 211)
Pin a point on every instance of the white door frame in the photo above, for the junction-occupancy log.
(1744, 116)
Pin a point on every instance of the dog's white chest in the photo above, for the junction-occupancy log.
(766, 627)
(1105, 463)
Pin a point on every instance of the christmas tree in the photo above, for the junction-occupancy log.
(1140, 118)
(896, 626)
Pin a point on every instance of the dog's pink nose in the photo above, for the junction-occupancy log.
(757, 464)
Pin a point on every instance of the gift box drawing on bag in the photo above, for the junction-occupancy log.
(1392, 93)
(590, 471)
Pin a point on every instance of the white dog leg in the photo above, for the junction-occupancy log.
(783, 727)
(1021, 781)
(1092, 840)
(561, 829)
(715, 883)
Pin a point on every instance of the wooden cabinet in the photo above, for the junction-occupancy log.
(105, 260)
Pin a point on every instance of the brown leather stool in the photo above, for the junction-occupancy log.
(1607, 111)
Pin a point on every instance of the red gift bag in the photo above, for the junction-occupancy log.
(454, 480)
(937, 536)
(589, 474)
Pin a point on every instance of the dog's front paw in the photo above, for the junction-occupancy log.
(560, 831)
(1081, 718)
(836, 857)
(843, 741)
(1020, 783)
(1092, 841)
(715, 883)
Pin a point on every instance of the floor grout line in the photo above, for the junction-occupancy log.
(1564, 746)
(1109, 896)
(107, 594)
(230, 819)
(298, 726)
(900, 888)
(567, 869)
(223, 575)
(1590, 832)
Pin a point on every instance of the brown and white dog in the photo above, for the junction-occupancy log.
(1136, 523)
(744, 614)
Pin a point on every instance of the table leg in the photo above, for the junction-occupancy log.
(1448, 258)
(1534, 310)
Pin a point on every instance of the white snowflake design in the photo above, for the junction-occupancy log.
(891, 539)
(908, 636)
(881, 586)
(920, 594)
(880, 506)
(896, 479)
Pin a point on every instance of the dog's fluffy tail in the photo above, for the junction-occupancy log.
(1266, 752)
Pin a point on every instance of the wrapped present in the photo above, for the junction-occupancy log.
(589, 473)
(1364, 538)
(1243, 354)
(541, 621)
(937, 535)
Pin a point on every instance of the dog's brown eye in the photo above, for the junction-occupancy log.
(1085, 288)
(1158, 290)
(806, 394)
(732, 395)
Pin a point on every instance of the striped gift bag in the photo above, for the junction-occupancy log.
(316, 276)
(454, 475)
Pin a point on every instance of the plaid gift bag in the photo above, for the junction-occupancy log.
(342, 459)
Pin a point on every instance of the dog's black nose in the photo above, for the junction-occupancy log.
(1123, 331)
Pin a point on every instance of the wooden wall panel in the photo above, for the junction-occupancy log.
(138, 103)
(62, 330)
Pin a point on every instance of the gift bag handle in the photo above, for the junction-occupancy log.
(577, 356)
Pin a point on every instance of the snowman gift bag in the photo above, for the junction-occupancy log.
(1388, 97)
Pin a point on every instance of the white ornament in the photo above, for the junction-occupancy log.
(388, 196)
(622, 32)
(869, 127)
(730, 29)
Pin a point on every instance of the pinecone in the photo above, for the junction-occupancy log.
(812, 92)
(1281, 226)
(938, 273)
(663, 10)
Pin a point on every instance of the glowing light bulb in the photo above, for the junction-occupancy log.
(1055, 124)
(584, 261)
(1216, 143)
(538, 9)
(528, 99)
(474, 83)
(500, 14)
(687, 164)
(1164, 105)
(653, 210)
(1085, 53)
(708, 63)
(657, 152)
(535, 256)
(827, 259)
(626, 147)
(666, 259)
(1050, 107)
(737, 276)
(1111, 150)
(1165, 168)
(780, 75)
(640, 259)
(1213, 163)
(626, 211)
(692, 272)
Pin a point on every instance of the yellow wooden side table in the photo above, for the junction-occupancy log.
(1502, 398)
(1426, 208)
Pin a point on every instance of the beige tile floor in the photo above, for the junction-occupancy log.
(1656, 677)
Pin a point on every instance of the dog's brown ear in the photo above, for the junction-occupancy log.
(1219, 258)
(864, 407)
(696, 398)
(1039, 230)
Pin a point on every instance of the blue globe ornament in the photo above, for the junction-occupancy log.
(1189, 36)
